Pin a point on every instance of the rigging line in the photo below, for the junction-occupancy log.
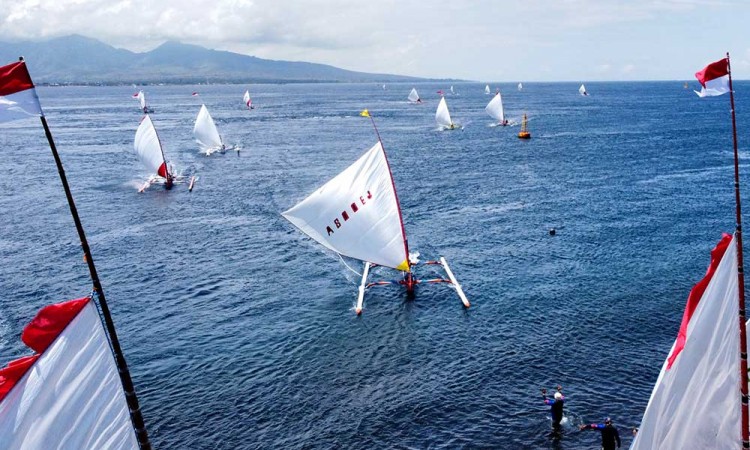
(347, 265)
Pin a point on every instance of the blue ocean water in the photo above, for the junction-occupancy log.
(239, 331)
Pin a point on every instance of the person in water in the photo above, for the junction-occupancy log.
(556, 405)
(610, 436)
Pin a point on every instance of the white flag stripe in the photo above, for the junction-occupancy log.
(20, 105)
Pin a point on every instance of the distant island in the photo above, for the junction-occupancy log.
(81, 60)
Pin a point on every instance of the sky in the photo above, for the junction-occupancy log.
(482, 40)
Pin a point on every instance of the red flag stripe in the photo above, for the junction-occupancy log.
(712, 71)
(39, 334)
(14, 78)
(695, 296)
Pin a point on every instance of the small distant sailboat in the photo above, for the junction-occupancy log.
(582, 90)
(384, 88)
(414, 97)
(148, 148)
(520, 86)
(685, 86)
(357, 214)
(248, 101)
(495, 109)
(206, 133)
(443, 117)
(142, 99)
(452, 91)
(486, 89)
(524, 133)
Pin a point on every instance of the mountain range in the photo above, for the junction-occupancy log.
(77, 59)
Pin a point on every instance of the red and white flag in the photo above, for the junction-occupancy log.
(18, 99)
(714, 78)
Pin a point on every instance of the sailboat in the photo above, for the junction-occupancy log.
(520, 86)
(685, 85)
(524, 133)
(142, 99)
(357, 214)
(443, 117)
(247, 100)
(495, 109)
(414, 97)
(206, 133)
(582, 90)
(452, 91)
(486, 89)
(148, 148)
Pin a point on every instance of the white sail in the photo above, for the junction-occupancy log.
(68, 395)
(520, 86)
(487, 89)
(495, 108)
(357, 214)
(582, 90)
(142, 99)
(247, 100)
(452, 91)
(206, 133)
(148, 148)
(413, 96)
(442, 116)
(696, 402)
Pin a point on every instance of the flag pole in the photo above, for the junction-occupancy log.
(740, 272)
(127, 383)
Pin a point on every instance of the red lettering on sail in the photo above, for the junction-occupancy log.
(345, 214)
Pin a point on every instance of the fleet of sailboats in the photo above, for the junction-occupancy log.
(357, 214)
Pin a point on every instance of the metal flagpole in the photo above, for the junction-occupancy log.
(127, 383)
(740, 272)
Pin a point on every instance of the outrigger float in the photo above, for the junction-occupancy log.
(357, 214)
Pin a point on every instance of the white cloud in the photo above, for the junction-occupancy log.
(483, 39)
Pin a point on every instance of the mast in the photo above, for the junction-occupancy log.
(127, 383)
(740, 273)
(398, 203)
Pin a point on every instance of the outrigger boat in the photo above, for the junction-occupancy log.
(495, 110)
(357, 214)
(207, 135)
(248, 101)
(443, 117)
(149, 150)
(487, 89)
(142, 99)
(414, 96)
(582, 90)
